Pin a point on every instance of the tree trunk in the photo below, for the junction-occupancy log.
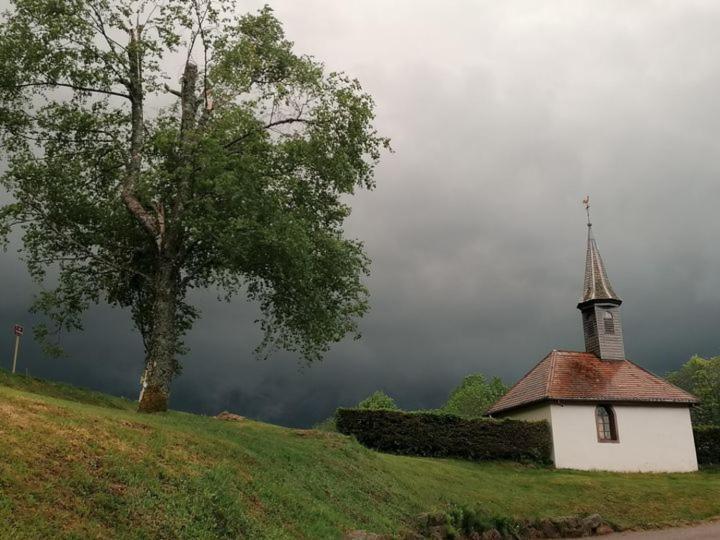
(160, 363)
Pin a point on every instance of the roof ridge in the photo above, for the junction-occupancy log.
(519, 381)
(582, 376)
(530, 371)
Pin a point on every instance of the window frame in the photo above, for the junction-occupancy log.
(612, 424)
(608, 323)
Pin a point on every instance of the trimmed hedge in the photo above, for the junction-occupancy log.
(445, 435)
(707, 444)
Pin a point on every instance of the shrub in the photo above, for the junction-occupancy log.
(445, 435)
(707, 444)
(468, 522)
(464, 522)
(378, 400)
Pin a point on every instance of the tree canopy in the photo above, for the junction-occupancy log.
(378, 400)
(474, 396)
(135, 186)
(701, 377)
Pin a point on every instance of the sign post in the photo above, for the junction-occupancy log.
(18, 331)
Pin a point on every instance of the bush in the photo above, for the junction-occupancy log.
(445, 435)
(469, 522)
(378, 400)
(465, 522)
(707, 444)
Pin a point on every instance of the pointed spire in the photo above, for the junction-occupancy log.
(597, 285)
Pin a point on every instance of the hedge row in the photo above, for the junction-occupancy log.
(707, 444)
(444, 435)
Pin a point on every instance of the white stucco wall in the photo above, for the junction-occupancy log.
(532, 414)
(651, 439)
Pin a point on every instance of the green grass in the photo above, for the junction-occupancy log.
(78, 464)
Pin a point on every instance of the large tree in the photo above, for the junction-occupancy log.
(135, 187)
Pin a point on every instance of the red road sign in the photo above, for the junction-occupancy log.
(18, 329)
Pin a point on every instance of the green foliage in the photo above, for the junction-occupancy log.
(461, 521)
(378, 400)
(444, 435)
(701, 377)
(467, 520)
(707, 444)
(474, 396)
(136, 188)
(72, 469)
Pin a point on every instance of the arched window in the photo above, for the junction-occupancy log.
(605, 421)
(609, 323)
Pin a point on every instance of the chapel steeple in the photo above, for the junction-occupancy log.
(600, 305)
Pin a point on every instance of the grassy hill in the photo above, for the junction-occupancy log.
(80, 464)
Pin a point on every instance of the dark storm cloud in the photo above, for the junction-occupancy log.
(503, 116)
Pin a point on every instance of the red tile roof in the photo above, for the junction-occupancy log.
(579, 376)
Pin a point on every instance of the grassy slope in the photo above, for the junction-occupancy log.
(80, 464)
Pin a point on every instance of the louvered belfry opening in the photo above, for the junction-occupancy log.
(600, 308)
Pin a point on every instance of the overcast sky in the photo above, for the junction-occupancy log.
(503, 115)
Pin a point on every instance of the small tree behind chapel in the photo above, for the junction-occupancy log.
(378, 400)
(701, 377)
(135, 187)
(474, 396)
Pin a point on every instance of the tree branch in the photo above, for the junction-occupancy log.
(74, 87)
(189, 102)
(173, 91)
(137, 134)
(268, 126)
(201, 31)
(99, 25)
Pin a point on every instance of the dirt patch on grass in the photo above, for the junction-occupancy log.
(14, 416)
(53, 430)
(100, 440)
(137, 426)
(231, 417)
(22, 412)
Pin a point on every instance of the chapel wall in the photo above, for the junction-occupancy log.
(650, 439)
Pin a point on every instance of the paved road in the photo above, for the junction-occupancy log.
(706, 531)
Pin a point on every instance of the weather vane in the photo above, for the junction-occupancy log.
(586, 202)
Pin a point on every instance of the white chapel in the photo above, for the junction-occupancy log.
(605, 412)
